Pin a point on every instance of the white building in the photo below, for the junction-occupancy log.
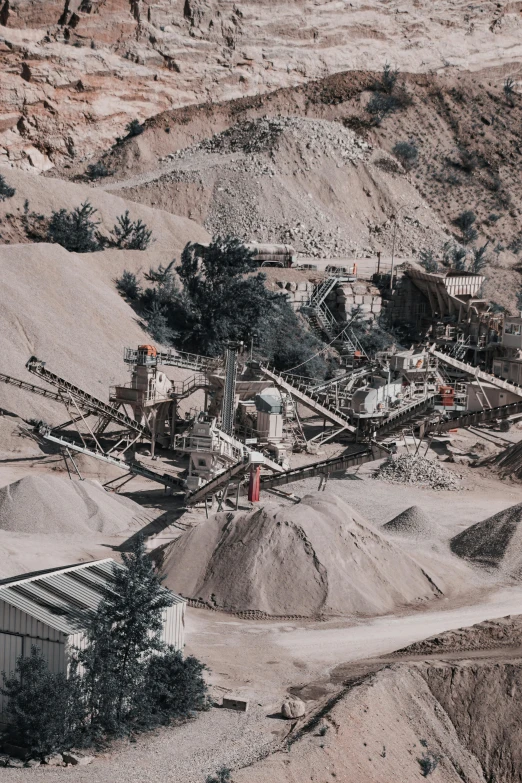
(46, 609)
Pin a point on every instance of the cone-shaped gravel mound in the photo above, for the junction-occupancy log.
(318, 557)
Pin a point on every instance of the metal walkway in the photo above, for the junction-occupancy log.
(85, 400)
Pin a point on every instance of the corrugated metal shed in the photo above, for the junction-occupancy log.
(60, 598)
(48, 609)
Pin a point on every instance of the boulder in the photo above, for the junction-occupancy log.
(55, 760)
(293, 708)
(76, 759)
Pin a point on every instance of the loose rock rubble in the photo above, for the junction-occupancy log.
(244, 157)
(411, 469)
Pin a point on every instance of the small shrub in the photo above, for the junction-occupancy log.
(175, 686)
(221, 776)
(130, 234)
(466, 223)
(495, 307)
(134, 128)
(509, 90)
(427, 260)
(6, 191)
(388, 80)
(96, 171)
(428, 763)
(381, 105)
(480, 259)
(128, 285)
(76, 231)
(406, 152)
(45, 711)
(454, 256)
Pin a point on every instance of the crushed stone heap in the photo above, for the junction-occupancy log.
(413, 521)
(58, 506)
(424, 472)
(494, 542)
(316, 558)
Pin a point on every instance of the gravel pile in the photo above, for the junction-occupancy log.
(58, 506)
(494, 542)
(421, 471)
(413, 521)
(251, 167)
(316, 558)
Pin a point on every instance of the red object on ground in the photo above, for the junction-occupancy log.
(253, 486)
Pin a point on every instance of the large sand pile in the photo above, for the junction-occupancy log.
(413, 521)
(57, 506)
(318, 557)
(495, 542)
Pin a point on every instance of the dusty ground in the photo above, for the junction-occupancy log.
(263, 660)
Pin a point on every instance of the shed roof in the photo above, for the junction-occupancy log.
(61, 597)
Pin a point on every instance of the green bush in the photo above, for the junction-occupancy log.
(45, 711)
(128, 285)
(134, 128)
(130, 234)
(466, 223)
(406, 152)
(96, 171)
(5, 190)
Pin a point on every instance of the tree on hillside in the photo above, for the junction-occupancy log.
(77, 230)
(466, 223)
(130, 234)
(221, 301)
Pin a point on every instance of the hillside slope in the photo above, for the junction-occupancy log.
(76, 73)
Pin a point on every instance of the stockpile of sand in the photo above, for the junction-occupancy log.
(413, 521)
(317, 557)
(494, 542)
(59, 506)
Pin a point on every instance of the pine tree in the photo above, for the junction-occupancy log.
(122, 636)
(76, 231)
(130, 234)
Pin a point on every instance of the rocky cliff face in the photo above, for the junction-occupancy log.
(74, 72)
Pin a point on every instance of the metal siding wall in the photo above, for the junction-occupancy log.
(10, 650)
(174, 625)
(16, 621)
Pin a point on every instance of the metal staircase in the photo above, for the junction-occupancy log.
(324, 324)
(85, 400)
